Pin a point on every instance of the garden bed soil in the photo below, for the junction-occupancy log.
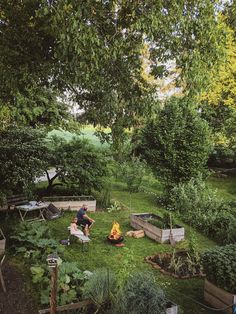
(16, 300)
(161, 261)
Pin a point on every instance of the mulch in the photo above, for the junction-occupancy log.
(17, 299)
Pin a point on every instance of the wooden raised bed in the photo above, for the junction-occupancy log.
(139, 221)
(217, 297)
(73, 203)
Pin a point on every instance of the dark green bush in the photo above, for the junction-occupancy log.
(141, 294)
(220, 267)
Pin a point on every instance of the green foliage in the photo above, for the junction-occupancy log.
(164, 222)
(199, 206)
(23, 157)
(115, 207)
(139, 295)
(101, 287)
(132, 173)
(78, 164)
(219, 266)
(35, 241)
(177, 143)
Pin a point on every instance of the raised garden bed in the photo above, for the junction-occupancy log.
(218, 297)
(178, 264)
(220, 283)
(72, 202)
(146, 222)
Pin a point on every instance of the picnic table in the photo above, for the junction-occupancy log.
(32, 206)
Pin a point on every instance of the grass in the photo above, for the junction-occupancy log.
(226, 187)
(131, 257)
(87, 132)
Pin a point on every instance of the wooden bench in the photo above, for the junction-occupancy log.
(17, 199)
(82, 239)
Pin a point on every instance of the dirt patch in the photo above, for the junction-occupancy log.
(17, 299)
(177, 264)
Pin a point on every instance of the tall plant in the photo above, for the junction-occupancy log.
(177, 143)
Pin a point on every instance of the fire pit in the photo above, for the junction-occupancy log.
(115, 236)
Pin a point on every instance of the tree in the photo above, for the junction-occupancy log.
(23, 158)
(54, 43)
(177, 143)
(219, 102)
(78, 164)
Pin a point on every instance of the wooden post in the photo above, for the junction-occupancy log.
(53, 297)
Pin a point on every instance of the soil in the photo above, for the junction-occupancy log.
(162, 261)
(17, 299)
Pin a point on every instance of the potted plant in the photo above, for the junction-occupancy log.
(220, 284)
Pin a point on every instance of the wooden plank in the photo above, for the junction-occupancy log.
(72, 306)
(218, 297)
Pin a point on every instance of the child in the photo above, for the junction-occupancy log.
(74, 228)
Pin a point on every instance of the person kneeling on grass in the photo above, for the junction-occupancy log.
(83, 218)
(74, 230)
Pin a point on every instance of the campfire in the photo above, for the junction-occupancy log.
(115, 235)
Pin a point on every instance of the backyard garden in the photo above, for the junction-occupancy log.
(117, 157)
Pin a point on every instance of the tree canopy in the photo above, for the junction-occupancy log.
(94, 51)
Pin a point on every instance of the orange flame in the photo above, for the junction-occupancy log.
(115, 231)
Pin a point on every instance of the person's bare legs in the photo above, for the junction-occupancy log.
(86, 230)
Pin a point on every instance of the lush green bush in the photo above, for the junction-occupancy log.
(199, 206)
(220, 266)
(139, 295)
(177, 143)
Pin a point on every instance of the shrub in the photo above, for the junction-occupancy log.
(132, 172)
(199, 206)
(219, 266)
(141, 295)
(177, 143)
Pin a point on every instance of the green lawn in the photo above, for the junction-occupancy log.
(226, 187)
(87, 132)
(131, 257)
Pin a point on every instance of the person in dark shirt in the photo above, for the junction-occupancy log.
(83, 219)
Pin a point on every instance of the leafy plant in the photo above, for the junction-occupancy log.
(101, 287)
(140, 294)
(219, 266)
(175, 263)
(132, 172)
(115, 207)
(199, 206)
(177, 143)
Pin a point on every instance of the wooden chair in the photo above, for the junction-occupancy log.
(2, 257)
